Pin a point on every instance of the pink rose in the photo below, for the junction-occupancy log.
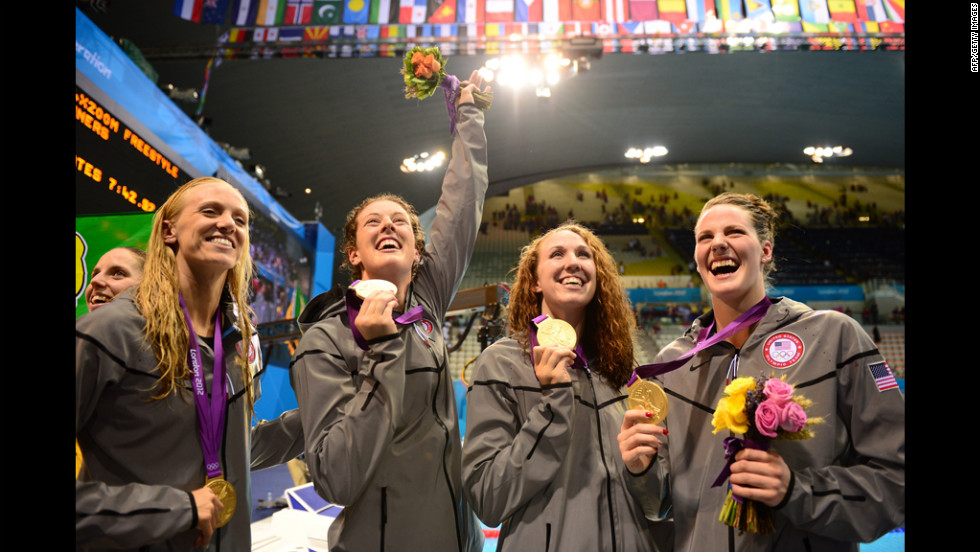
(793, 417)
(767, 416)
(778, 391)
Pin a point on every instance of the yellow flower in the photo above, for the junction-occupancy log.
(730, 415)
(740, 386)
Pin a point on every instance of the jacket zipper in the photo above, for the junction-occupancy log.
(602, 452)
(384, 515)
(445, 450)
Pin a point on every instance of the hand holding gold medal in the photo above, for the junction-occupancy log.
(554, 331)
(648, 396)
(226, 494)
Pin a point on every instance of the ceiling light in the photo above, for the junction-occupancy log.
(423, 162)
(646, 154)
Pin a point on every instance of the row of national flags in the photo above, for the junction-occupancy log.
(817, 14)
(654, 37)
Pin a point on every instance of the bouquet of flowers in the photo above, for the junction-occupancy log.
(763, 410)
(425, 72)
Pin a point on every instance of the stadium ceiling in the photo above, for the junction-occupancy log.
(342, 126)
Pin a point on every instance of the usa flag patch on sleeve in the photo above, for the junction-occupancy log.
(884, 378)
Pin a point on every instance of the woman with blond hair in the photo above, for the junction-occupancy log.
(540, 456)
(164, 389)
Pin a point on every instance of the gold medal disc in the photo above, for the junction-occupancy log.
(226, 494)
(554, 331)
(367, 287)
(646, 395)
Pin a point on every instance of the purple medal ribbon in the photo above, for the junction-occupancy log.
(732, 446)
(354, 306)
(744, 320)
(210, 413)
(450, 87)
(580, 358)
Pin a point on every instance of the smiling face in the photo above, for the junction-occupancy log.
(730, 256)
(210, 230)
(115, 272)
(384, 244)
(566, 276)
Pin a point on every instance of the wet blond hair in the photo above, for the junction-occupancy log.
(609, 320)
(157, 297)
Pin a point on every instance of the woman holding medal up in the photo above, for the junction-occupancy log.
(371, 372)
(843, 485)
(545, 405)
(164, 389)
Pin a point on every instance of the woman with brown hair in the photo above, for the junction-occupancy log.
(540, 456)
(371, 373)
(164, 389)
(842, 486)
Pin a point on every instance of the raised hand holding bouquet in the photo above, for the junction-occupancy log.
(763, 410)
(425, 71)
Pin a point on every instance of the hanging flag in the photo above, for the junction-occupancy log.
(470, 11)
(442, 11)
(327, 12)
(528, 11)
(895, 10)
(298, 12)
(291, 34)
(891, 27)
(556, 10)
(615, 10)
(243, 12)
(316, 33)
(672, 10)
(551, 28)
(786, 10)
(730, 10)
(870, 10)
(271, 12)
(814, 11)
(842, 10)
(238, 35)
(700, 10)
(355, 12)
(644, 10)
(214, 12)
(412, 11)
(759, 9)
(383, 12)
(499, 11)
(603, 28)
(586, 10)
(189, 9)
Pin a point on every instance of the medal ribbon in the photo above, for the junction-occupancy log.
(354, 306)
(743, 321)
(450, 88)
(580, 358)
(210, 413)
(732, 446)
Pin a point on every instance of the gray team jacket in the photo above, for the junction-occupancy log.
(142, 457)
(848, 482)
(382, 436)
(544, 461)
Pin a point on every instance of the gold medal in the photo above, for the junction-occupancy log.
(367, 287)
(646, 395)
(553, 331)
(226, 494)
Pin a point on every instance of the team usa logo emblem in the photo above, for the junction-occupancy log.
(783, 350)
(427, 326)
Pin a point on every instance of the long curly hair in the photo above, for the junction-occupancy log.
(350, 232)
(609, 321)
(157, 297)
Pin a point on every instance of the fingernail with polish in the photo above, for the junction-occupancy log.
(665, 431)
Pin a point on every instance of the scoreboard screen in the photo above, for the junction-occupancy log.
(119, 168)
